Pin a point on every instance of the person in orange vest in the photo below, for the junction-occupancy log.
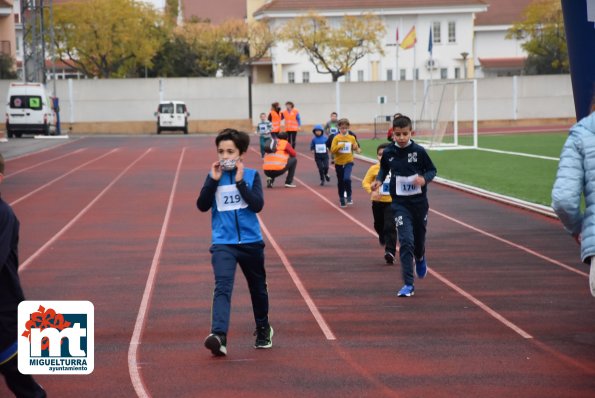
(292, 122)
(282, 161)
(275, 118)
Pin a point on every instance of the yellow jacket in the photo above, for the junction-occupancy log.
(369, 179)
(346, 143)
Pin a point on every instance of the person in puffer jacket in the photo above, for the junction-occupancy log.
(576, 176)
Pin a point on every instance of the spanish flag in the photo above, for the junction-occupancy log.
(409, 40)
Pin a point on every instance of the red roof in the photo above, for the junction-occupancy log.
(502, 12)
(498, 63)
(289, 5)
(217, 11)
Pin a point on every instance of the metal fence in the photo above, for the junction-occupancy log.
(381, 125)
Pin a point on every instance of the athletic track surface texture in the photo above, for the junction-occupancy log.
(504, 311)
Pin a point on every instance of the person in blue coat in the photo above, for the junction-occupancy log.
(234, 195)
(318, 147)
(575, 177)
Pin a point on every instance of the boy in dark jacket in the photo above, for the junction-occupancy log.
(234, 194)
(11, 295)
(318, 146)
(411, 170)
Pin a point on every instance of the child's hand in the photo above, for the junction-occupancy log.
(419, 180)
(358, 150)
(216, 171)
(375, 195)
(375, 185)
(239, 170)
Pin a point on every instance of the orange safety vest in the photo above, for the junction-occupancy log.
(275, 122)
(291, 123)
(277, 160)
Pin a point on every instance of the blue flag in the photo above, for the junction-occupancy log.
(430, 42)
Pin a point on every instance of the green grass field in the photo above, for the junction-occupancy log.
(521, 177)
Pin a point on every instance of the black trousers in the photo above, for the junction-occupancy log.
(321, 160)
(291, 137)
(384, 225)
(411, 219)
(289, 168)
(22, 386)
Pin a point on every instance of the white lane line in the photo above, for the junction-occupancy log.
(135, 341)
(44, 162)
(510, 243)
(60, 177)
(41, 150)
(298, 283)
(444, 280)
(59, 234)
(527, 155)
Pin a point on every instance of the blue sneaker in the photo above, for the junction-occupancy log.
(406, 291)
(421, 267)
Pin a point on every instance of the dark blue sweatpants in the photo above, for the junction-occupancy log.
(224, 260)
(344, 180)
(411, 218)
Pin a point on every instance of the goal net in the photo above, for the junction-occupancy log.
(448, 118)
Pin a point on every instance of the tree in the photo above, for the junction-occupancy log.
(7, 67)
(543, 30)
(106, 38)
(200, 48)
(334, 50)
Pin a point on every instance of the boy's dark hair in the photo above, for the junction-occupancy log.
(343, 121)
(240, 139)
(382, 146)
(1, 164)
(402, 121)
(334, 113)
(290, 103)
(282, 135)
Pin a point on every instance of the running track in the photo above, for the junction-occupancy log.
(505, 310)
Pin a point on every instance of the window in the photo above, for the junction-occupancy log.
(457, 73)
(291, 77)
(389, 75)
(452, 32)
(305, 77)
(443, 73)
(360, 75)
(403, 74)
(26, 102)
(436, 36)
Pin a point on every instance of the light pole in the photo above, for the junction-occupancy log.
(465, 54)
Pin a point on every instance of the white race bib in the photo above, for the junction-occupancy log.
(334, 130)
(228, 198)
(385, 187)
(262, 128)
(346, 147)
(405, 186)
(320, 148)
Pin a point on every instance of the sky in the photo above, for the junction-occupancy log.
(156, 3)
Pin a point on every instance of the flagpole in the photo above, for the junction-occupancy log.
(414, 90)
(397, 76)
(430, 48)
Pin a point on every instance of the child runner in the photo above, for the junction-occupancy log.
(318, 146)
(331, 127)
(342, 147)
(234, 195)
(384, 220)
(11, 294)
(264, 130)
(411, 170)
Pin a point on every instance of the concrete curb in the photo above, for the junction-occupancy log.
(534, 207)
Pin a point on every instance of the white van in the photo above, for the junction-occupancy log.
(172, 115)
(29, 109)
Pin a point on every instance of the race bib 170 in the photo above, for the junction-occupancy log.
(405, 186)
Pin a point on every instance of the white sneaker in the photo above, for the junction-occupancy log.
(290, 186)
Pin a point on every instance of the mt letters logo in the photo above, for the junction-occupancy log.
(56, 337)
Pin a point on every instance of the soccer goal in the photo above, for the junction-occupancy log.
(448, 118)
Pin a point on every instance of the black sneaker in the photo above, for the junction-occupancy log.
(321, 183)
(264, 337)
(269, 182)
(389, 257)
(327, 178)
(217, 343)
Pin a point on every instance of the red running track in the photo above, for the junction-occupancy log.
(505, 310)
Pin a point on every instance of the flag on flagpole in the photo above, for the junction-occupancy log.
(409, 40)
(430, 43)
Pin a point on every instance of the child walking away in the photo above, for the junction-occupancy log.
(331, 127)
(280, 162)
(263, 129)
(318, 146)
(11, 294)
(384, 220)
(411, 169)
(234, 195)
(342, 147)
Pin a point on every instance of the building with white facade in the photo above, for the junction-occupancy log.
(468, 39)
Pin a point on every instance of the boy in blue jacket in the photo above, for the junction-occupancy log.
(411, 170)
(318, 146)
(234, 194)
